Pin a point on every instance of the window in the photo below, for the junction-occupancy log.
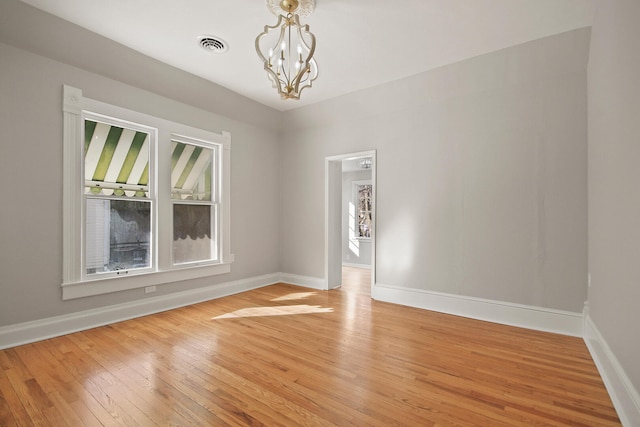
(146, 200)
(363, 203)
(195, 204)
(118, 196)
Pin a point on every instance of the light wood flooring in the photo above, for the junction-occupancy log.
(285, 355)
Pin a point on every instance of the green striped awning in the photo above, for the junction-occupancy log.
(116, 163)
(116, 160)
(190, 171)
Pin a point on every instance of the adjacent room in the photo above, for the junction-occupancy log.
(425, 214)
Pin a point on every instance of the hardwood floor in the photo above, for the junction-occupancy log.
(356, 280)
(285, 355)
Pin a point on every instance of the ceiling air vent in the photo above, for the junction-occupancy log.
(213, 44)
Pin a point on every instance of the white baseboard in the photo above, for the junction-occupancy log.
(531, 317)
(24, 333)
(305, 281)
(624, 396)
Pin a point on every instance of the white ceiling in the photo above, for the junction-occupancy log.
(361, 43)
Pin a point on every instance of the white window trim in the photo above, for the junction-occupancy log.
(73, 284)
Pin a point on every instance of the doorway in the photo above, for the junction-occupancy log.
(350, 189)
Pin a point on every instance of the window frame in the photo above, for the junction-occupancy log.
(214, 203)
(356, 202)
(151, 199)
(75, 284)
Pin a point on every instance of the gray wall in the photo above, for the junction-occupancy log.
(481, 178)
(31, 159)
(614, 175)
(362, 256)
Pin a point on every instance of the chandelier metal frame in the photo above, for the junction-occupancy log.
(290, 69)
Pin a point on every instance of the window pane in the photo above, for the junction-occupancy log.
(191, 172)
(117, 235)
(116, 160)
(364, 210)
(192, 235)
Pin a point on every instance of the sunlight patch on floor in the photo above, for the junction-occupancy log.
(295, 296)
(285, 310)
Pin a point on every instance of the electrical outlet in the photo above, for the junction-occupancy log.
(149, 289)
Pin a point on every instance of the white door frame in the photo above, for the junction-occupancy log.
(333, 217)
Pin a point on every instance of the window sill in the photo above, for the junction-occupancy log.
(134, 281)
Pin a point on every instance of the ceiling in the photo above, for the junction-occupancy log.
(360, 43)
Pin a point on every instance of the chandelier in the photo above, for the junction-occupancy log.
(287, 48)
(365, 163)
